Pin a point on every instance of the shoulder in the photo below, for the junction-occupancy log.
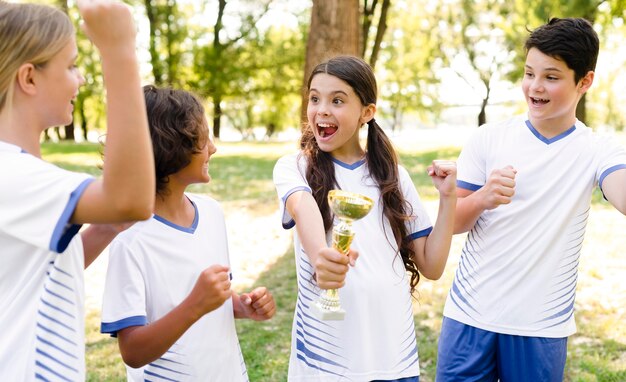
(403, 172)
(499, 131)
(289, 164)
(292, 158)
(205, 202)
(503, 126)
(134, 233)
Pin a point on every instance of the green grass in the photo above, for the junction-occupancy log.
(242, 174)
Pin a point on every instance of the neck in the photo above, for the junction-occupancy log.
(175, 207)
(553, 127)
(22, 133)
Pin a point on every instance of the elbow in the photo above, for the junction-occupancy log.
(433, 275)
(134, 209)
(133, 361)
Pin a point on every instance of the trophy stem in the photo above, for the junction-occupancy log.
(327, 307)
(347, 207)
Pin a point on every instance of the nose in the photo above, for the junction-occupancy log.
(212, 148)
(536, 85)
(322, 108)
(81, 78)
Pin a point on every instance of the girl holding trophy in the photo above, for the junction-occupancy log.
(371, 334)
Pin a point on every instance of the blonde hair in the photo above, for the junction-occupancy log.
(29, 33)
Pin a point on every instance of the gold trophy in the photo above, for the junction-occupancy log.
(348, 207)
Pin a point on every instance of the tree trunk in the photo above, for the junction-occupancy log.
(334, 30)
(68, 131)
(380, 32)
(217, 116)
(151, 13)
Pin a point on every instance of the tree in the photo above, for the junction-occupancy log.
(218, 65)
(167, 31)
(408, 79)
(369, 12)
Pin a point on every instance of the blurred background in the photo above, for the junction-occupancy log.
(439, 63)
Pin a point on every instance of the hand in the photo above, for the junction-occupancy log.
(331, 267)
(258, 305)
(443, 174)
(212, 289)
(108, 24)
(499, 189)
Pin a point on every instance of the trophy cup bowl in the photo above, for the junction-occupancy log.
(348, 207)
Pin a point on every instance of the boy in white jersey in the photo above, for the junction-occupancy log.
(524, 190)
(42, 207)
(376, 341)
(167, 296)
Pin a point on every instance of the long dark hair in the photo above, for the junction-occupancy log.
(381, 158)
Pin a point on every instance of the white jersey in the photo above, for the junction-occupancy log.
(519, 266)
(41, 270)
(376, 340)
(153, 266)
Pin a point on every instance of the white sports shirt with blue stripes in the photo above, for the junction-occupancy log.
(153, 266)
(519, 266)
(376, 340)
(41, 270)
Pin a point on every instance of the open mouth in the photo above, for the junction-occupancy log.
(325, 130)
(539, 101)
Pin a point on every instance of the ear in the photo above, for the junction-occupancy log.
(367, 113)
(25, 79)
(585, 83)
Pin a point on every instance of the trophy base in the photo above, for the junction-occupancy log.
(326, 314)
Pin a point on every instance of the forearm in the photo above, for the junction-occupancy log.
(95, 239)
(468, 210)
(309, 223)
(128, 174)
(142, 345)
(437, 246)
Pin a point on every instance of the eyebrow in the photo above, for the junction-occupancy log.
(550, 69)
(333, 92)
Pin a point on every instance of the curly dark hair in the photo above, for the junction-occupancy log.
(177, 128)
(381, 158)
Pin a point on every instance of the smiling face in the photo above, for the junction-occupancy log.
(551, 92)
(57, 86)
(335, 114)
(197, 171)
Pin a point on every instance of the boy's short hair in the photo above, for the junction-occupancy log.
(177, 127)
(571, 40)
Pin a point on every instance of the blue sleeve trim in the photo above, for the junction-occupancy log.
(114, 327)
(64, 231)
(608, 171)
(468, 186)
(291, 223)
(422, 233)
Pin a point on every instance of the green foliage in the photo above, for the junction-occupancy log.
(266, 345)
(407, 82)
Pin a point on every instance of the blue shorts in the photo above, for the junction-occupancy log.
(470, 354)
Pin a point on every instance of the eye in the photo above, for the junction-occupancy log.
(313, 98)
(552, 78)
(529, 74)
(337, 101)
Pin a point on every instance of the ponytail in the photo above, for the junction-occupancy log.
(382, 162)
